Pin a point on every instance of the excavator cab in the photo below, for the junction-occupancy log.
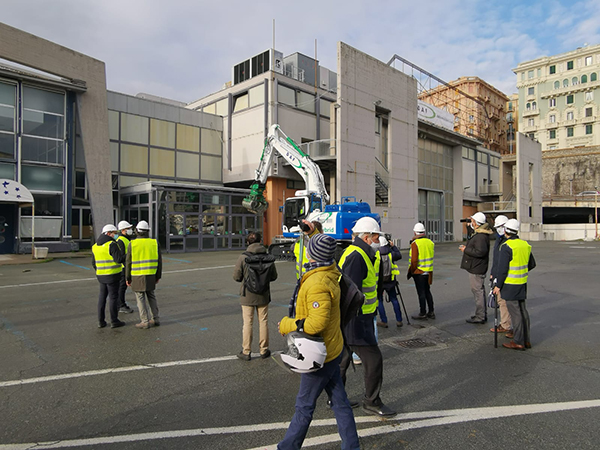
(298, 208)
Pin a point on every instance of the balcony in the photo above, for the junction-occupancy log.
(489, 190)
(319, 150)
(531, 112)
(551, 125)
(569, 123)
(490, 207)
(588, 119)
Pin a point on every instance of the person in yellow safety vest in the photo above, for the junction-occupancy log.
(143, 270)
(514, 263)
(387, 274)
(309, 229)
(360, 261)
(125, 235)
(421, 271)
(107, 260)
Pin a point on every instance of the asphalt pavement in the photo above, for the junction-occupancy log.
(66, 383)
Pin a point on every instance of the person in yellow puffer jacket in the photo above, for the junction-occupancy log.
(317, 312)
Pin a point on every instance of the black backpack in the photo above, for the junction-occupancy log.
(257, 272)
(351, 300)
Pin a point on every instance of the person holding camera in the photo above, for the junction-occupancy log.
(388, 271)
(475, 259)
(309, 229)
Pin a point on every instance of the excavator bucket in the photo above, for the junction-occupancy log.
(256, 202)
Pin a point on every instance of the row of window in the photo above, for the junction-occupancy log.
(569, 100)
(552, 69)
(552, 134)
(574, 82)
(569, 115)
(482, 157)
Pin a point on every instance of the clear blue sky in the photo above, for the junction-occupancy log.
(185, 49)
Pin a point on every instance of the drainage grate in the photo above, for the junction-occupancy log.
(413, 343)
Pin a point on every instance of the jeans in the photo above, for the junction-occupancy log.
(424, 293)
(311, 385)
(122, 289)
(110, 290)
(394, 300)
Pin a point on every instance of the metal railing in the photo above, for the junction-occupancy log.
(323, 149)
(497, 206)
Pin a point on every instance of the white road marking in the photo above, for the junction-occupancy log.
(91, 373)
(92, 279)
(423, 420)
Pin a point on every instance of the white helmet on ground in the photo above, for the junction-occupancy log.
(479, 217)
(109, 228)
(500, 221)
(305, 353)
(419, 228)
(366, 225)
(123, 225)
(512, 226)
(143, 226)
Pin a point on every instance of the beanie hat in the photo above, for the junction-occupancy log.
(321, 248)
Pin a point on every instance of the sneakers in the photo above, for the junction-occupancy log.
(381, 410)
(117, 324)
(125, 309)
(419, 316)
(101, 324)
(431, 315)
(399, 324)
(382, 324)
(243, 356)
(155, 323)
(266, 354)
(143, 325)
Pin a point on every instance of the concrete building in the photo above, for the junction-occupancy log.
(478, 108)
(512, 122)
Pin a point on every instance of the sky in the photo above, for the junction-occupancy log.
(185, 49)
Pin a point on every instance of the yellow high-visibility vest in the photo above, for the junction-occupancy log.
(105, 264)
(426, 250)
(125, 242)
(300, 264)
(369, 284)
(518, 267)
(144, 257)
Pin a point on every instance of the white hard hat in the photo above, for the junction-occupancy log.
(366, 225)
(143, 226)
(123, 225)
(305, 353)
(419, 228)
(109, 228)
(512, 226)
(500, 221)
(479, 217)
(383, 240)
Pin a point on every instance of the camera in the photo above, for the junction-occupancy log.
(304, 227)
(467, 220)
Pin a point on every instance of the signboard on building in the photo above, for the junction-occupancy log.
(437, 116)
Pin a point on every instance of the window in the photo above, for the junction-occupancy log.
(42, 178)
(570, 132)
(257, 96)
(552, 70)
(510, 106)
(530, 122)
(188, 138)
(134, 159)
(240, 102)
(552, 102)
(325, 107)
(162, 162)
(528, 106)
(589, 112)
(565, 83)
(569, 65)
(531, 135)
(306, 102)
(575, 81)
(211, 142)
(162, 134)
(588, 129)
(557, 85)
(539, 72)
(134, 128)
(7, 120)
(589, 96)
(583, 79)
(552, 118)
(211, 168)
(221, 107)
(531, 91)
(569, 99)
(552, 134)
(522, 76)
(593, 76)
(570, 115)
(188, 165)
(588, 60)
(534, 106)
(471, 118)
(286, 95)
(530, 74)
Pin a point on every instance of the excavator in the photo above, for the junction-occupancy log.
(311, 204)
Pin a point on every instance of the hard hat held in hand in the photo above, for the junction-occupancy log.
(143, 226)
(479, 217)
(419, 228)
(123, 225)
(366, 225)
(305, 353)
(109, 228)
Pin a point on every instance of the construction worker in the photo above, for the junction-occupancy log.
(125, 235)
(475, 260)
(309, 229)
(143, 270)
(360, 262)
(514, 263)
(505, 323)
(421, 270)
(107, 260)
(388, 273)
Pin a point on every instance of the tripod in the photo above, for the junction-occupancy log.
(397, 287)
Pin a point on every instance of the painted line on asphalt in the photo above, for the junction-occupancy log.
(44, 283)
(74, 265)
(411, 421)
(91, 373)
(175, 259)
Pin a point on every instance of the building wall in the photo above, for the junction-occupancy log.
(363, 81)
(512, 120)
(529, 186)
(567, 172)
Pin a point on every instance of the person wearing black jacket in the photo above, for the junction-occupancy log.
(475, 259)
(514, 264)
(388, 270)
(107, 260)
(505, 323)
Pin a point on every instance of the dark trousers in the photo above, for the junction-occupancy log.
(424, 293)
(394, 301)
(311, 385)
(122, 289)
(372, 361)
(520, 320)
(110, 290)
